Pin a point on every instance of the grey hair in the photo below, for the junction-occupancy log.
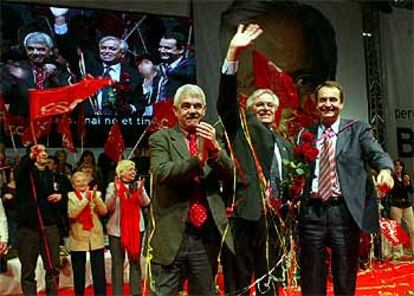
(191, 90)
(38, 37)
(257, 93)
(123, 45)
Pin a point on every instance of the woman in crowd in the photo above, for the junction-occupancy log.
(124, 199)
(86, 157)
(401, 206)
(86, 234)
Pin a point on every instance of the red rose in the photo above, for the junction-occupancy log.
(309, 152)
(307, 137)
(298, 152)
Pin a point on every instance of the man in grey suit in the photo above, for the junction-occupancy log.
(335, 205)
(187, 163)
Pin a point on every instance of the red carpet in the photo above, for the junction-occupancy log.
(387, 279)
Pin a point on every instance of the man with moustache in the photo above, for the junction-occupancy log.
(39, 206)
(252, 224)
(187, 163)
(175, 69)
(335, 206)
(38, 71)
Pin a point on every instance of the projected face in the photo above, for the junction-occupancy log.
(37, 53)
(110, 51)
(169, 52)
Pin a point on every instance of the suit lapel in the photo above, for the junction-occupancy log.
(178, 142)
(343, 137)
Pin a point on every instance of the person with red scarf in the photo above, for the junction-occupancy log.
(124, 199)
(86, 234)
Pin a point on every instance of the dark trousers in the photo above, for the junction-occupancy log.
(97, 268)
(193, 261)
(30, 243)
(251, 258)
(117, 269)
(322, 226)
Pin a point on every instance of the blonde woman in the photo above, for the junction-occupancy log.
(86, 234)
(124, 199)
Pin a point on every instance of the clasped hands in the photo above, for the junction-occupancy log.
(210, 146)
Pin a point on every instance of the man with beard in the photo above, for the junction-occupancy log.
(37, 72)
(253, 226)
(187, 163)
(335, 205)
(39, 207)
(175, 69)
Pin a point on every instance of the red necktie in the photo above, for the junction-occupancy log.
(39, 72)
(327, 167)
(198, 212)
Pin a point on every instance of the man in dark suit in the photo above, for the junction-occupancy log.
(187, 163)
(253, 225)
(335, 205)
(38, 71)
(121, 99)
(175, 69)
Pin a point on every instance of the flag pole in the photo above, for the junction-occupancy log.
(33, 132)
(138, 142)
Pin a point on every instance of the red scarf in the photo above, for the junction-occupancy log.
(130, 212)
(85, 217)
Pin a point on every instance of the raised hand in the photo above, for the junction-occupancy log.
(243, 38)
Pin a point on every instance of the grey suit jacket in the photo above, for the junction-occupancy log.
(356, 146)
(174, 170)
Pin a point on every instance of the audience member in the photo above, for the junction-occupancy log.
(39, 207)
(86, 234)
(124, 199)
(401, 203)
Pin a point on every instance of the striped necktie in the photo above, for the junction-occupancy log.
(327, 167)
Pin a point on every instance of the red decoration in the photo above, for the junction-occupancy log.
(41, 128)
(114, 146)
(64, 129)
(54, 101)
(164, 116)
(393, 232)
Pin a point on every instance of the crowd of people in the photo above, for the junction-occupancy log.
(217, 193)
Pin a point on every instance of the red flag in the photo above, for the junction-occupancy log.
(41, 128)
(164, 116)
(114, 146)
(268, 75)
(63, 99)
(80, 123)
(393, 232)
(64, 129)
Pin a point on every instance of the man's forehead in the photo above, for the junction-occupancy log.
(328, 91)
(37, 45)
(110, 43)
(168, 42)
(191, 99)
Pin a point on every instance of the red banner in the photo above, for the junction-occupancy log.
(59, 100)
(393, 232)
(114, 146)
